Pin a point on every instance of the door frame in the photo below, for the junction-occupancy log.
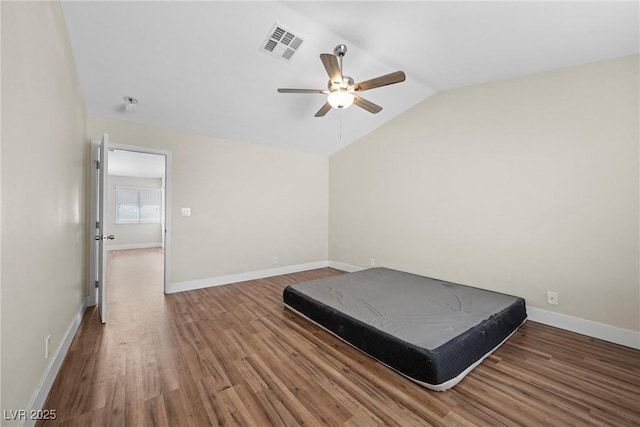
(93, 294)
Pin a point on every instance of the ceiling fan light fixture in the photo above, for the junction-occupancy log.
(340, 99)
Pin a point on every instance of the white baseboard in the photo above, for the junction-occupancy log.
(242, 277)
(345, 267)
(589, 328)
(39, 397)
(134, 246)
(89, 301)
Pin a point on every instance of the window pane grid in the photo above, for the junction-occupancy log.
(137, 205)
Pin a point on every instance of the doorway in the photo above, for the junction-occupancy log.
(137, 217)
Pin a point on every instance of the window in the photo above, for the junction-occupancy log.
(134, 205)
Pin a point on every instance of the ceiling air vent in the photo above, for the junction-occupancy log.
(281, 43)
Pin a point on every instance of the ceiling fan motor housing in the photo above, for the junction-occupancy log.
(347, 84)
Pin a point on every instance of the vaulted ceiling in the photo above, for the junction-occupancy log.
(197, 66)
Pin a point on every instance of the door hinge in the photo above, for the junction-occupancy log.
(97, 224)
(97, 164)
(97, 283)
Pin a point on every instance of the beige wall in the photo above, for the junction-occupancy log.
(131, 234)
(249, 203)
(44, 153)
(521, 186)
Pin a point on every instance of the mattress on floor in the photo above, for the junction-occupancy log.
(432, 331)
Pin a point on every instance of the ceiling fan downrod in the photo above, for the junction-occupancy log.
(340, 51)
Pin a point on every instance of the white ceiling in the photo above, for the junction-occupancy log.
(196, 66)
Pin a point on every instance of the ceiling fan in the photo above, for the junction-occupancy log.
(342, 91)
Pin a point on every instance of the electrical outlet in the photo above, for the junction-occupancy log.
(46, 346)
(372, 261)
(275, 261)
(552, 298)
(185, 211)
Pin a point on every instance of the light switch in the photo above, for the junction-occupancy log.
(186, 211)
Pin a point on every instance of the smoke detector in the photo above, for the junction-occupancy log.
(130, 106)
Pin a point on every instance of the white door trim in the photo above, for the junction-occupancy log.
(167, 209)
(167, 201)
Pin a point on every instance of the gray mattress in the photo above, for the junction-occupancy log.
(429, 330)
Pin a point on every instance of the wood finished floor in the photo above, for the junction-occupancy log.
(233, 355)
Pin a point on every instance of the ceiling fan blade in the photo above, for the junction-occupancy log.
(387, 79)
(367, 105)
(330, 63)
(302, 91)
(324, 110)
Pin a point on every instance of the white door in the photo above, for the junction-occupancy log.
(99, 169)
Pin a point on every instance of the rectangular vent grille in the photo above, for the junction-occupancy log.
(281, 43)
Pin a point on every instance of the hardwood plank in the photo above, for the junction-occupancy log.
(155, 412)
(233, 355)
(177, 409)
(235, 411)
